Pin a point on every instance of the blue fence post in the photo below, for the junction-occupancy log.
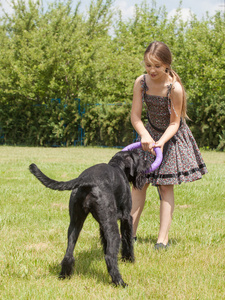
(1, 136)
(135, 134)
(81, 131)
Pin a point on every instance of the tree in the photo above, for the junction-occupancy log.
(60, 53)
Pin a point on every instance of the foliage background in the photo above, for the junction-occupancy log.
(62, 53)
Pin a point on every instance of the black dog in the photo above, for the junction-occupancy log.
(104, 191)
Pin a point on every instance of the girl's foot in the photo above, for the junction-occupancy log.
(159, 246)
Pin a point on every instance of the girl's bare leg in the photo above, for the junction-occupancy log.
(166, 212)
(138, 202)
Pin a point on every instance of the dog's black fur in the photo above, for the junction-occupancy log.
(104, 191)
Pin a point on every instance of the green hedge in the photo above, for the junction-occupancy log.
(51, 124)
(61, 53)
(56, 124)
(64, 124)
(208, 122)
(108, 125)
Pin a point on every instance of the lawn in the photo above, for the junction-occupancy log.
(34, 222)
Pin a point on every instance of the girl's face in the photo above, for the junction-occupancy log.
(155, 68)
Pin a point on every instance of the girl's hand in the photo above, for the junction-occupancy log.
(147, 143)
(160, 145)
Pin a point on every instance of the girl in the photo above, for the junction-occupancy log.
(162, 94)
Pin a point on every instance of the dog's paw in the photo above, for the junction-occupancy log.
(120, 283)
(62, 276)
(124, 285)
(67, 267)
(131, 259)
(128, 258)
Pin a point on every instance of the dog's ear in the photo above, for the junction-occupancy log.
(135, 169)
(132, 161)
(130, 166)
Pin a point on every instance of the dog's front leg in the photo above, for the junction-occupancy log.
(127, 239)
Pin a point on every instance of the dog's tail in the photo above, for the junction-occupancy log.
(53, 184)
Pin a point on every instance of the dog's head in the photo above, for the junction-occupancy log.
(133, 166)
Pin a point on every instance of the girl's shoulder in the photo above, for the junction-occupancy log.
(138, 84)
(176, 88)
(140, 79)
(176, 93)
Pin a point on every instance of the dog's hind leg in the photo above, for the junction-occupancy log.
(127, 239)
(76, 223)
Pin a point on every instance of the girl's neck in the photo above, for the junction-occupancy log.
(158, 87)
(162, 81)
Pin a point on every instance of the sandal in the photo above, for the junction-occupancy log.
(161, 246)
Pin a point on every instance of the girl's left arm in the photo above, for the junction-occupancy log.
(176, 107)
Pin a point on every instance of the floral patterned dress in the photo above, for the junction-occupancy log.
(182, 160)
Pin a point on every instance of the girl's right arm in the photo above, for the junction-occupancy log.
(136, 111)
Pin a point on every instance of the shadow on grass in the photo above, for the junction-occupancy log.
(153, 239)
(89, 263)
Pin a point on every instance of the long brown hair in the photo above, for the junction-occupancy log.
(161, 52)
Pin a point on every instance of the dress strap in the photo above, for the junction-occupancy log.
(169, 89)
(170, 102)
(144, 88)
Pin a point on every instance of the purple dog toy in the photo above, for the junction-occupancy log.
(158, 152)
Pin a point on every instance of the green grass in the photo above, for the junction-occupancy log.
(33, 230)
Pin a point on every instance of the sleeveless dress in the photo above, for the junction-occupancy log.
(182, 160)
